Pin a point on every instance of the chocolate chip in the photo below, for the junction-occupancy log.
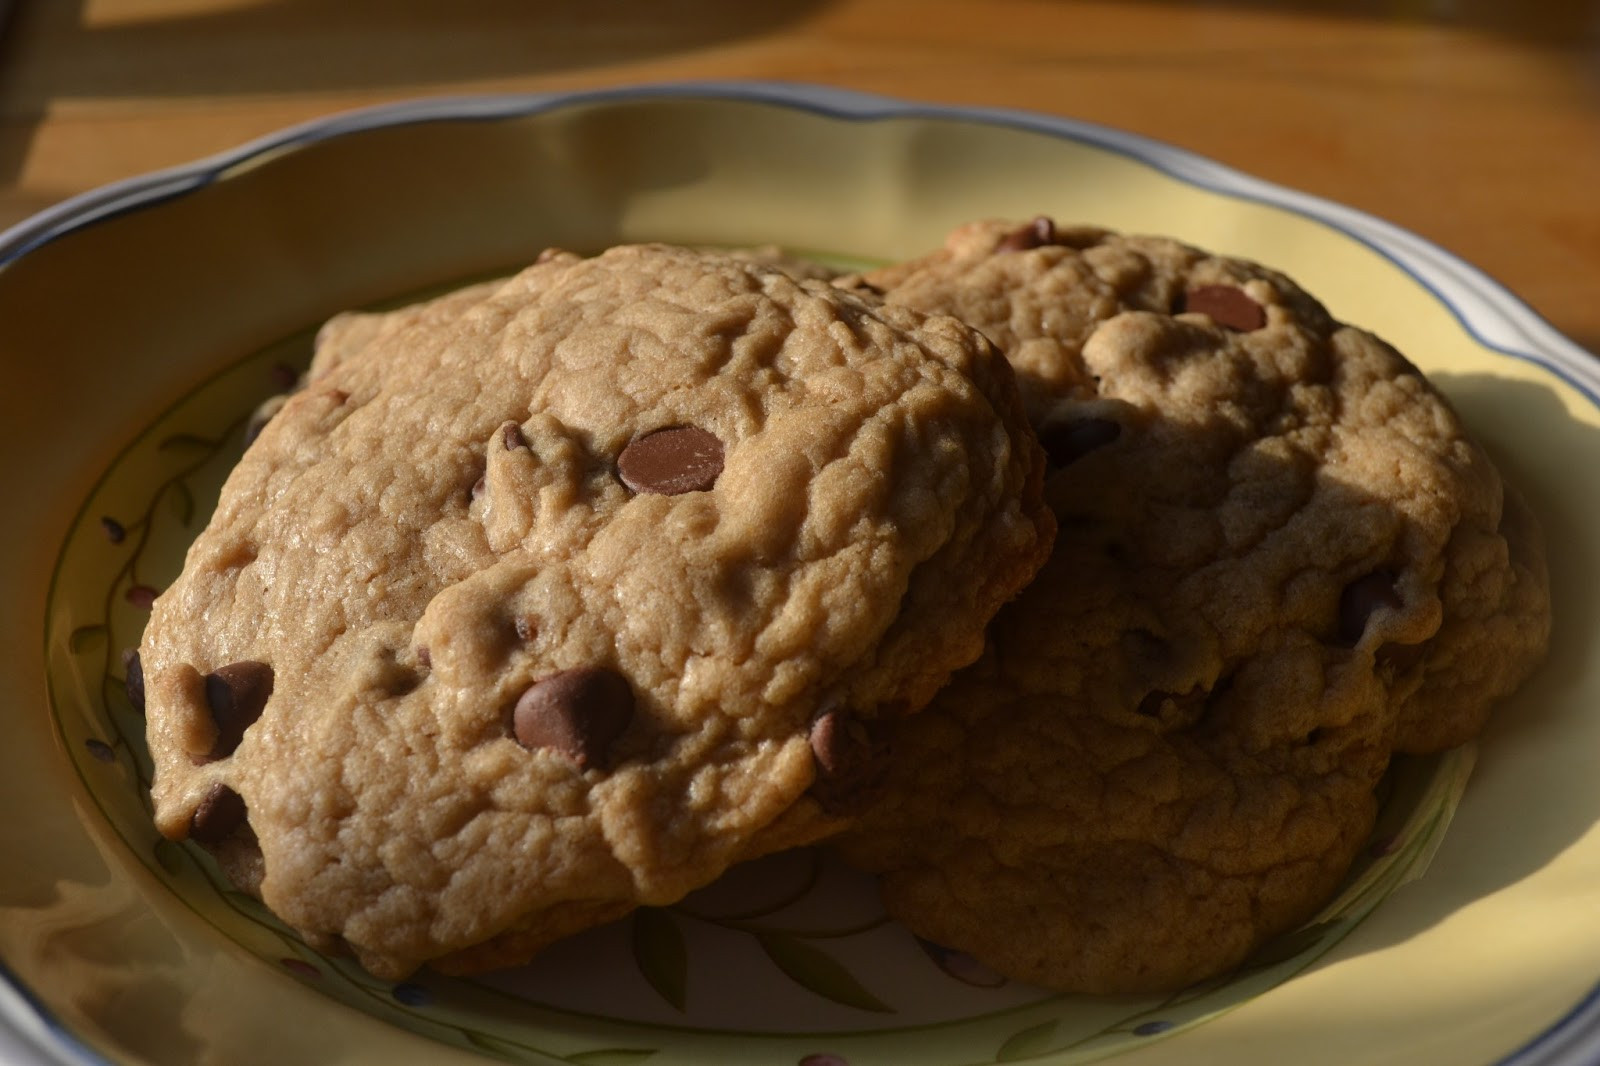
(511, 436)
(1036, 234)
(671, 461)
(424, 656)
(141, 596)
(850, 761)
(525, 628)
(1067, 442)
(237, 694)
(577, 712)
(113, 529)
(477, 489)
(133, 678)
(1227, 306)
(219, 814)
(1361, 598)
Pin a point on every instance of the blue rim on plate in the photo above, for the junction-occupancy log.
(1484, 308)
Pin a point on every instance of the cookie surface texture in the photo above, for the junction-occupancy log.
(1280, 561)
(522, 612)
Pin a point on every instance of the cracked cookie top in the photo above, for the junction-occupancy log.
(551, 598)
(1280, 560)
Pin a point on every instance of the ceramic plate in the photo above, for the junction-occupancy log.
(142, 324)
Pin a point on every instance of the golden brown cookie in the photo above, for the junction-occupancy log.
(1280, 560)
(552, 599)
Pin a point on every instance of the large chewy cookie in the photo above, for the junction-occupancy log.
(1280, 561)
(553, 599)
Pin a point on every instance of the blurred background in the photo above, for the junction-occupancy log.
(1475, 123)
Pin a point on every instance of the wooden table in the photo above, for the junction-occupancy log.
(1475, 123)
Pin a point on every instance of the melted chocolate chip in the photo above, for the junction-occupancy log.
(1036, 234)
(1227, 306)
(114, 530)
(1067, 442)
(133, 678)
(850, 761)
(511, 436)
(237, 694)
(1361, 599)
(219, 814)
(478, 488)
(671, 461)
(577, 712)
(424, 656)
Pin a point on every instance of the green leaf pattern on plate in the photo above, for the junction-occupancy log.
(661, 955)
(182, 501)
(617, 1056)
(86, 639)
(817, 971)
(1027, 1043)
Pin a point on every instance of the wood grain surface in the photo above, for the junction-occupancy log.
(1475, 123)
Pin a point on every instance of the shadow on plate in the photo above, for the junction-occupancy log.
(1556, 705)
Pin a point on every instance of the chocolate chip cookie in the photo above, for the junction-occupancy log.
(1280, 561)
(553, 598)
